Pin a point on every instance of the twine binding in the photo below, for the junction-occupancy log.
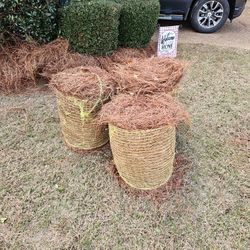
(143, 158)
(79, 126)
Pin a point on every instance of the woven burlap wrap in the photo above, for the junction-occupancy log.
(80, 129)
(143, 158)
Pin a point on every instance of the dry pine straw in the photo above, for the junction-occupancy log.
(89, 83)
(148, 76)
(23, 63)
(125, 56)
(143, 111)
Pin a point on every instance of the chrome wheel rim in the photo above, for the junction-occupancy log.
(210, 14)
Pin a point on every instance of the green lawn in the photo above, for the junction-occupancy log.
(52, 198)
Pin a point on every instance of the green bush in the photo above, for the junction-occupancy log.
(29, 19)
(91, 26)
(138, 22)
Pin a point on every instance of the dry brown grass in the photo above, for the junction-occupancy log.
(52, 198)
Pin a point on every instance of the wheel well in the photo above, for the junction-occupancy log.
(190, 9)
(231, 4)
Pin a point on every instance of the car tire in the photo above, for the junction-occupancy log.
(208, 16)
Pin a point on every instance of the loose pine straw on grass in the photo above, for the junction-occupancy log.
(23, 63)
(143, 111)
(148, 76)
(132, 69)
(125, 56)
(14, 74)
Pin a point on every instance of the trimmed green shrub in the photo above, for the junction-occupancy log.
(91, 26)
(29, 19)
(138, 22)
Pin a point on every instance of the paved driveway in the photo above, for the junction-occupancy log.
(235, 34)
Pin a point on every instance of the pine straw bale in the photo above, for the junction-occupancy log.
(148, 76)
(90, 83)
(143, 111)
(159, 195)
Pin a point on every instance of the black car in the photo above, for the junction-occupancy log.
(205, 16)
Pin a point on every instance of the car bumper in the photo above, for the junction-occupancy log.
(239, 7)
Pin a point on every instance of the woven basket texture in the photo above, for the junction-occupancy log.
(143, 158)
(78, 122)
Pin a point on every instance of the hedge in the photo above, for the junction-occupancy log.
(91, 26)
(138, 22)
(29, 19)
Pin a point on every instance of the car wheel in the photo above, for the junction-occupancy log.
(208, 16)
